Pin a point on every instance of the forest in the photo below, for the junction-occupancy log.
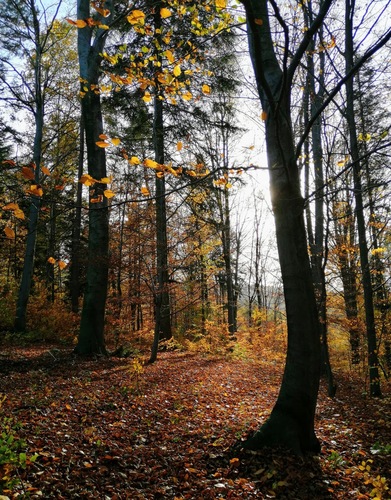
(195, 247)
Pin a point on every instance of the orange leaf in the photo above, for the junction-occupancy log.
(145, 191)
(103, 136)
(102, 144)
(264, 116)
(98, 199)
(11, 206)
(51, 260)
(79, 23)
(9, 232)
(28, 173)
(36, 190)
(9, 162)
(62, 265)
(45, 170)
(258, 21)
(179, 146)
(87, 180)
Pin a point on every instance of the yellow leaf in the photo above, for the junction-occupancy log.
(19, 214)
(179, 146)
(258, 21)
(106, 180)
(116, 141)
(102, 144)
(134, 161)
(221, 4)
(177, 70)
(79, 23)
(108, 193)
(147, 97)
(36, 190)
(187, 96)
(136, 17)
(169, 55)
(9, 232)
(62, 265)
(145, 191)
(45, 170)
(151, 163)
(165, 13)
(51, 260)
(206, 89)
(86, 179)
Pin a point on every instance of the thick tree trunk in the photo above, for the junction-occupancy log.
(291, 423)
(91, 334)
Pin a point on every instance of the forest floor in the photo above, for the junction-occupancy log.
(114, 429)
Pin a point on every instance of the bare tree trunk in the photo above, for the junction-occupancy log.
(373, 360)
(291, 423)
(76, 230)
(28, 263)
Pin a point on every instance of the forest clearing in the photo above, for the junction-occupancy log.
(113, 428)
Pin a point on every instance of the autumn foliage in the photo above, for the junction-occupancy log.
(117, 428)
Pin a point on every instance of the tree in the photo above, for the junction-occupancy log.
(91, 41)
(291, 423)
(373, 359)
(23, 35)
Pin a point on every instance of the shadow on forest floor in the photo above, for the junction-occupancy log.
(98, 434)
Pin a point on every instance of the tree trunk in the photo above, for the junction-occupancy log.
(91, 334)
(28, 263)
(373, 360)
(162, 296)
(291, 423)
(76, 231)
(317, 240)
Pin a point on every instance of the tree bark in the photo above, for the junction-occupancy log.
(76, 231)
(373, 360)
(39, 112)
(162, 296)
(291, 423)
(91, 334)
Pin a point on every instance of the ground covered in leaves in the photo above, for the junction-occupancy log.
(115, 429)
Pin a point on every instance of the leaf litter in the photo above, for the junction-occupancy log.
(113, 428)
